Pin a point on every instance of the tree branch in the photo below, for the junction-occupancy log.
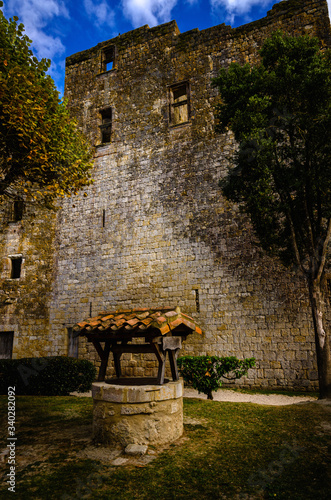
(294, 243)
(324, 252)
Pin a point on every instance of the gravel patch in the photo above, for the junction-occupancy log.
(260, 399)
(237, 397)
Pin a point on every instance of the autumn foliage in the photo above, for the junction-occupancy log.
(42, 153)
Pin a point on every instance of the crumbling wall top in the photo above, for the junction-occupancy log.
(276, 16)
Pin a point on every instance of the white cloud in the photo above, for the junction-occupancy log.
(102, 12)
(237, 7)
(35, 15)
(151, 12)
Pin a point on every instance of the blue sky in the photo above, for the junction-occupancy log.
(59, 28)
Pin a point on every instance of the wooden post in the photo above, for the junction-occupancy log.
(161, 359)
(117, 363)
(104, 355)
(173, 353)
(171, 345)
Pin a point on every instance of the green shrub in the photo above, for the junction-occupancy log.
(51, 376)
(204, 372)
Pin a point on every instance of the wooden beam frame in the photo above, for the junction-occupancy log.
(104, 356)
(157, 345)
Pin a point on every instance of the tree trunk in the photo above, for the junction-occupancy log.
(322, 338)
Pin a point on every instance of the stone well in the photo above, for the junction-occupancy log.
(145, 414)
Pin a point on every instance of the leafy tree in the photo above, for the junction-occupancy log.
(280, 114)
(204, 373)
(42, 153)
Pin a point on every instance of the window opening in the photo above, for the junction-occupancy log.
(16, 267)
(106, 124)
(197, 301)
(6, 345)
(103, 218)
(73, 342)
(108, 59)
(179, 104)
(18, 207)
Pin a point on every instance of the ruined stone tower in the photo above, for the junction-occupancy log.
(153, 230)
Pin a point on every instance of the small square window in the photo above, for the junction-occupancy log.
(179, 103)
(16, 267)
(106, 125)
(108, 59)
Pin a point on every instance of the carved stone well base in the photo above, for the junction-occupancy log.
(144, 414)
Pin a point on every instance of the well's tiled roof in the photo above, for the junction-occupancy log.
(137, 321)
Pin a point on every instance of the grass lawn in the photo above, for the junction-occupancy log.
(228, 451)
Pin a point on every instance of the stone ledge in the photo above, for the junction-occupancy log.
(102, 391)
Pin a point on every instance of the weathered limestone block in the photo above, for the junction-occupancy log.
(141, 415)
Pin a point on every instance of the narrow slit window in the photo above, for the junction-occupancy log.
(179, 104)
(73, 343)
(6, 345)
(108, 59)
(16, 267)
(197, 301)
(18, 208)
(106, 125)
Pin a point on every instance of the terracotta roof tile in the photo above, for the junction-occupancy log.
(170, 314)
(155, 314)
(133, 321)
(143, 315)
(93, 323)
(107, 317)
(119, 321)
(164, 329)
(82, 324)
(138, 320)
(147, 321)
(190, 324)
(176, 323)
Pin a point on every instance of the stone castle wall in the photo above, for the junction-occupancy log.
(154, 229)
(25, 301)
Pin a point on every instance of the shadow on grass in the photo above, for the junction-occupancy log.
(229, 451)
